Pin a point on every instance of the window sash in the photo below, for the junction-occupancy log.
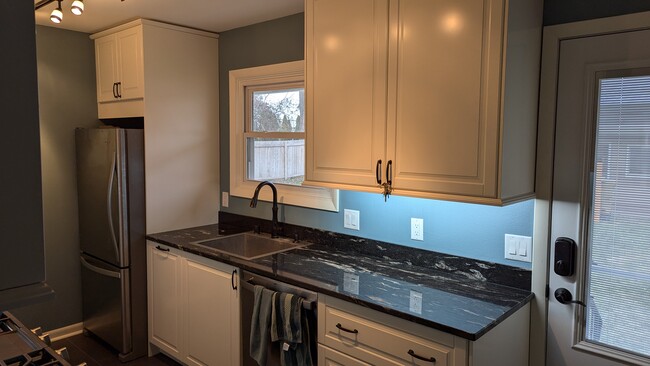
(618, 256)
(251, 90)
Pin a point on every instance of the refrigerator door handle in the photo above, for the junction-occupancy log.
(101, 271)
(109, 205)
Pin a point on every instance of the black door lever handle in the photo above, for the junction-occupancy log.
(563, 296)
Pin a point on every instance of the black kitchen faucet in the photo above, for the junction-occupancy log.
(274, 225)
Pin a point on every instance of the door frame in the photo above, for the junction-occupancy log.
(552, 37)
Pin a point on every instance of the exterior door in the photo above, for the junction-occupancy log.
(601, 201)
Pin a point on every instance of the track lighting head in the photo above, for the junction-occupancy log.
(57, 14)
(77, 7)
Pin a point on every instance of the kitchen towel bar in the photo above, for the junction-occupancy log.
(307, 305)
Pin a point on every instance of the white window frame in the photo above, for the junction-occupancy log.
(239, 80)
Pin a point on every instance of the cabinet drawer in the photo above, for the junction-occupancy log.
(330, 357)
(376, 343)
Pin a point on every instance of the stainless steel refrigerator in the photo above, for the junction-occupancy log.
(110, 184)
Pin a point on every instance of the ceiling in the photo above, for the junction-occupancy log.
(210, 15)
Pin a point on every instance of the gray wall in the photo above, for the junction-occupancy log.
(271, 42)
(565, 11)
(67, 99)
(21, 236)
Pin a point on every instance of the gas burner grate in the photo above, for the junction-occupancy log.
(42, 357)
(6, 324)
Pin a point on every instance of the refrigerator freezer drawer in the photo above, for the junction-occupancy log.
(106, 309)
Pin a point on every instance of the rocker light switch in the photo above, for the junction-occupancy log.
(518, 247)
(351, 219)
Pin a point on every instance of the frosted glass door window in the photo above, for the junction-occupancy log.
(618, 269)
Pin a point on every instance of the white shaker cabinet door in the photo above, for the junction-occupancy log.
(212, 320)
(106, 68)
(131, 69)
(447, 97)
(346, 90)
(165, 308)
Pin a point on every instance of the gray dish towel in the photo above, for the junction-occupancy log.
(260, 323)
(289, 326)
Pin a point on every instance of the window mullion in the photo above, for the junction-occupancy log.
(274, 135)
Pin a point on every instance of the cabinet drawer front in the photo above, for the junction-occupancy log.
(377, 343)
(330, 357)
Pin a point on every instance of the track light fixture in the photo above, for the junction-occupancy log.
(77, 8)
(57, 14)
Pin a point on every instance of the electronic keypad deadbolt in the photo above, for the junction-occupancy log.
(565, 256)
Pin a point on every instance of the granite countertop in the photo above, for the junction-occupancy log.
(460, 296)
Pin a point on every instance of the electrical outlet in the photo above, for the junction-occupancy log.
(224, 199)
(351, 219)
(417, 229)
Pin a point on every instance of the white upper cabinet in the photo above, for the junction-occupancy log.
(437, 97)
(119, 65)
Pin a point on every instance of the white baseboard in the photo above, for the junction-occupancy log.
(65, 332)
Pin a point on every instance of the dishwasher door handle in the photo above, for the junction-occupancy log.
(310, 299)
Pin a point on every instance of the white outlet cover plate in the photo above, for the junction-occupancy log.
(417, 229)
(224, 199)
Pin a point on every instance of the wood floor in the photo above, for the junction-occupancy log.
(94, 353)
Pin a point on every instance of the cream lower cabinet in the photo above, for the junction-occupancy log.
(439, 97)
(350, 334)
(193, 307)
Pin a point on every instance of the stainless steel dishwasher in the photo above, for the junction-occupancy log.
(247, 283)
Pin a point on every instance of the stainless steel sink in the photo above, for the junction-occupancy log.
(250, 246)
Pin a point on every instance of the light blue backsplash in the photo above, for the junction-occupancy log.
(468, 230)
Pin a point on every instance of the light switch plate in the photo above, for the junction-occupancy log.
(518, 247)
(224, 199)
(351, 219)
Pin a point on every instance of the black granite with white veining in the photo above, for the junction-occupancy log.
(459, 295)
